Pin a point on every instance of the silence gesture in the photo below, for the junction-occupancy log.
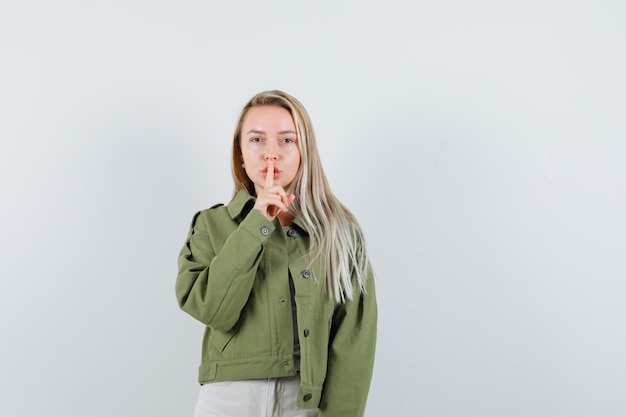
(272, 199)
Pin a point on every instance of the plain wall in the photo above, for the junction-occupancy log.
(482, 145)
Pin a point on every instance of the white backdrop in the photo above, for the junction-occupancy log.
(481, 144)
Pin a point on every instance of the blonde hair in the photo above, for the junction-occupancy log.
(334, 232)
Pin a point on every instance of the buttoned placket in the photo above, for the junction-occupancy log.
(297, 251)
(277, 273)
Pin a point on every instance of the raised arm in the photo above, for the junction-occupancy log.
(217, 267)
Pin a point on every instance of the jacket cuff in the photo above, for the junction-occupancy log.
(308, 397)
(257, 225)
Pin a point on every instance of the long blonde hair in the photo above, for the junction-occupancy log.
(335, 234)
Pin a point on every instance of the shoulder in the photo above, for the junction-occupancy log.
(220, 215)
(201, 219)
(209, 211)
(213, 209)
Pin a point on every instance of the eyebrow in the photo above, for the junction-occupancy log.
(258, 132)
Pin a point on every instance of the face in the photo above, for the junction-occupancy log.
(268, 133)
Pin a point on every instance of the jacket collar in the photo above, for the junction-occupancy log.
(242, 203)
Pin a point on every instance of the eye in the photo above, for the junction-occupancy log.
(255, 139)
(288, 140)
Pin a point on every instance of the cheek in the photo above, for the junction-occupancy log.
(296, 165)
(247, 155)
(296, 158)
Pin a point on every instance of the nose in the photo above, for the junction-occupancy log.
(271, 151)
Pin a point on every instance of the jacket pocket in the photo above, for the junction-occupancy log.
(220, 340)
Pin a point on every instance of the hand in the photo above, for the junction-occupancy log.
(272, 199)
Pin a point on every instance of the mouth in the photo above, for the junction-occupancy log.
(276, 172)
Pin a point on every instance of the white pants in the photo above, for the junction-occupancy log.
(274, 397)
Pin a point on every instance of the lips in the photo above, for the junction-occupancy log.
(276, 172)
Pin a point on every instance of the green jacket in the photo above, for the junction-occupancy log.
(233, 277)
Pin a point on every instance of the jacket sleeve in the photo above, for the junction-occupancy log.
(351, 355)
(214, 283)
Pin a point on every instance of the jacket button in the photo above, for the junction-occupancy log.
(307, 332)
(307, 396)
(306, 273)
(265, 231)
(291, 233)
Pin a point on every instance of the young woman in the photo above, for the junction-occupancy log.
(281, 279)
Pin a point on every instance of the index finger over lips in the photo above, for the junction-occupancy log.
(269, 175)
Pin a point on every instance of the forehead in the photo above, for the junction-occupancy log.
(267, 119)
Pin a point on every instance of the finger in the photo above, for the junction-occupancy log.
(285, 198)
(274, 200)
(274, 209)
(269, 176)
